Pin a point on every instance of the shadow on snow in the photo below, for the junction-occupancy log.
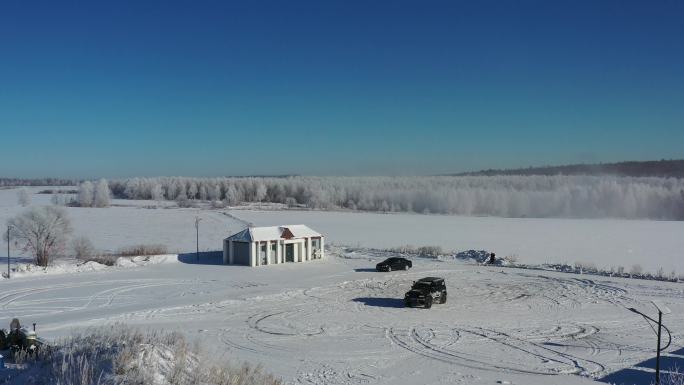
(380, 302)
(205, 258)
(643, 373)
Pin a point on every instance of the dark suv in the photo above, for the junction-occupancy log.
(425, 292)
(394, 263)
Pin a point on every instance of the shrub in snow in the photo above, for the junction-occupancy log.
(423, 251)
(183, 202)
(23, 197)
(511, 259)
(138, 250)
(118, 355)
(582, 267)
(636, 270)
(672, 376)
(82, 247)
(42, 231)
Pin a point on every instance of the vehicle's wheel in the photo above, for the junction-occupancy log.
(406, 267)
(443, 297)
(428, 302)
(407, 304)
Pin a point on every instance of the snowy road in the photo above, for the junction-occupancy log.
(338, 322)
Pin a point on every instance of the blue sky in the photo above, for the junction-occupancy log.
(119, 88)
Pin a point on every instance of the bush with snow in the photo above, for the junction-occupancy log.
(82, 247)
(118, 355)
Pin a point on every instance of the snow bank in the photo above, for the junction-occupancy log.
(23, 270)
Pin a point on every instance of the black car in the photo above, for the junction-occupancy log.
(394, 263)
(425, 292)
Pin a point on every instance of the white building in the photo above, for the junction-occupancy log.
(256, 246)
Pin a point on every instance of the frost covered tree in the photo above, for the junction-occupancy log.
(192, 190)
(508, 196)
(157, 192)
(232, 196)
(214, 192)
(102, 194)
(42, 231)
(85, 194)
(23, 197)
(260, 192)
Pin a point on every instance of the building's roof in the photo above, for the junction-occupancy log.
(272, 233)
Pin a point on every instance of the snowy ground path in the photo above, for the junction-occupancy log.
(337, 321)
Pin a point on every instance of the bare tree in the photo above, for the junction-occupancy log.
(102, 194)
(23, 197)
(42, 231)
(85, 194)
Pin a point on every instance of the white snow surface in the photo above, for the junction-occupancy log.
(337, 321)
(70, 266)
(130, 223)
(604, 242)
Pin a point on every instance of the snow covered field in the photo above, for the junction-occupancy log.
(131, 223)
(604, 242)
(337, 321)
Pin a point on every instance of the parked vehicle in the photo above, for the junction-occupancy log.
(425, 292)
(394, 263)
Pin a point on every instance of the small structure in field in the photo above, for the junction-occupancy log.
(256, 246)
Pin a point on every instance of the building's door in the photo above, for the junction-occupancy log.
(289, 253)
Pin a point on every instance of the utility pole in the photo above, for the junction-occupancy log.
(660, 323)
(662, 309)
(8, 251)
(197, 221)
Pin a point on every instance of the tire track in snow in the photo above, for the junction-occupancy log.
(563, 363)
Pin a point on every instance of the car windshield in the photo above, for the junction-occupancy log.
(421, 285)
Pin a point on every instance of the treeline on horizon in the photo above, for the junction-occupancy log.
(13, 182)
(658, 168)
(504, 196)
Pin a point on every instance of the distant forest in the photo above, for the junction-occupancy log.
(659, 168)
(488, 194)
(13, 182)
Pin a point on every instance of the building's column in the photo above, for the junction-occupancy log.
(308, 249)
(295, 250)
(268, 252)
(225, 251)
(252, 254)
(258, 254)
(279, 253)
(322, 248)
(231, 252)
